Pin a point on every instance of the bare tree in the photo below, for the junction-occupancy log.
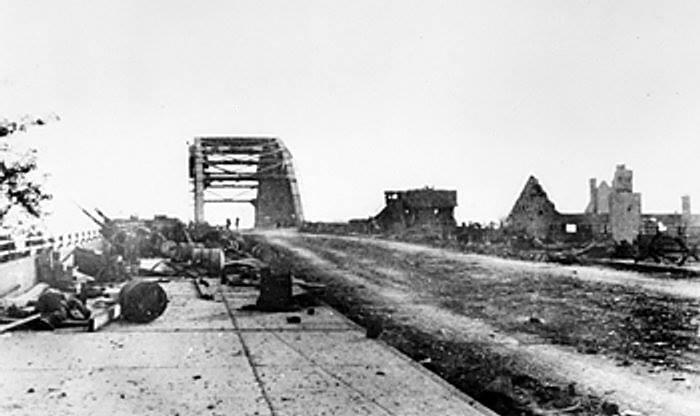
(19, 184)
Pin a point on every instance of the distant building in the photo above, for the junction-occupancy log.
(533, 213)
(612, 213)
(427, 207)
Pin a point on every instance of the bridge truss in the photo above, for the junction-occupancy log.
(258, 164)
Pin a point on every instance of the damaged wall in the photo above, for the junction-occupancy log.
(612, 212)
(533, 212)
(599, 196)
(625, 215)
(427, 207)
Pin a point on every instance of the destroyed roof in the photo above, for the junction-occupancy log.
(533, 196)
(427, 198)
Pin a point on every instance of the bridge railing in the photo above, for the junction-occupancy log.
(11, 249)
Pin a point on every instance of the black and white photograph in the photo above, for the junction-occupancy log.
(349, 208)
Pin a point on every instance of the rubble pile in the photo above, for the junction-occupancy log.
(209, 255)
(90, 288)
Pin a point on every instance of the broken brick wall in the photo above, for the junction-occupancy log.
(533, 213)
(579, 228)
(426, 207)
(599, 196)
(625, 215)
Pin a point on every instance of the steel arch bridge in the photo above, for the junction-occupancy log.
(249, 163)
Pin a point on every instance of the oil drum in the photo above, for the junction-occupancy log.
(210, 258)
(215, 260)
(198, 256)
(188, 250)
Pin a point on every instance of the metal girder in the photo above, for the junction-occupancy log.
(232, 186)
(232, 150)
(214, 141)
(230, 200)
(210, 162)
(251, 177)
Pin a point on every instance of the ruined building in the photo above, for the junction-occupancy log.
(613, 212)
(427, 207)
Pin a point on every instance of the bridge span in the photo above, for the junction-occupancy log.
(263, 164)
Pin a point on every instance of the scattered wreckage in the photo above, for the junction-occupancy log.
(203, 252)
(121, 281)
(89, 294)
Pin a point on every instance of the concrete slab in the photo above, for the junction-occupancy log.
(403, 391)
(308, 391)
(378, 377)
(70, 351)
(326, 365)
(323, 319)
(143, 391)
(321, 348)
(354, 390)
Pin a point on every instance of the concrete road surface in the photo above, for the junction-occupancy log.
(209, 358)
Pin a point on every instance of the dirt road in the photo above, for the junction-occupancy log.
(524, 330)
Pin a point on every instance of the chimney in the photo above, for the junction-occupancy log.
(685, 203)
(594, 195)
(622, 180)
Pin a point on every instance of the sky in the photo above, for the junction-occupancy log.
(466, 95)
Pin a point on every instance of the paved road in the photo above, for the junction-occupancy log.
(209, 358)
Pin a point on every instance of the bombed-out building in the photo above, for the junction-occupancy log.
(427, 207)
(613, 212)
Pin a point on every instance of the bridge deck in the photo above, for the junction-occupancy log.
(208, 357)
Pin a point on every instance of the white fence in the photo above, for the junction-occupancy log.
(11, 249)
(18, 257)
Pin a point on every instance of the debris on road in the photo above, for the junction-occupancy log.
(142, 301)
(17, 323)
(103, 317)
(275, 291)
(204, 289)
(102, 266)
